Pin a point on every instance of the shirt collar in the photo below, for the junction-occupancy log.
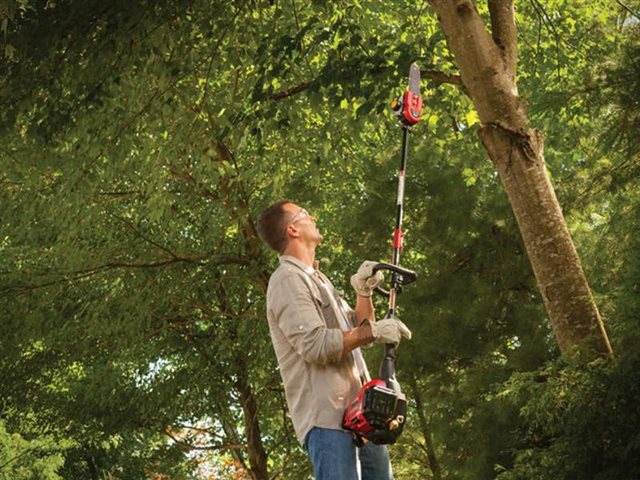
(298, 263)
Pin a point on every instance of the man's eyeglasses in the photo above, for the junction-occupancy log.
(302, 213)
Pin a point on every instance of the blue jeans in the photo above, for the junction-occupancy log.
(334, 457)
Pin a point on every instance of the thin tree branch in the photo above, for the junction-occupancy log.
(424, 5)
(440, 77)
(22, 454)
(437, 76)
(214, 55)
(85, 273)
(186, 176)
(197, 429)
(119, 194)
(546, 19)
(142, 235)
(628, 9)
(190, 446)
(295, 16)
(293, 90)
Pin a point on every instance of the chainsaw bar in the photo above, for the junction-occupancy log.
(408, 107)
(414, 80)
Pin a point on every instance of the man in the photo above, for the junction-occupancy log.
(316, 337)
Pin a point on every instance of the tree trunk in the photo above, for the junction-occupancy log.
(235, 199)
(434, 465)
(488, 69)
(240, 379)
(255, 448)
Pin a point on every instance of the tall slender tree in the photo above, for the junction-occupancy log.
(488, 64)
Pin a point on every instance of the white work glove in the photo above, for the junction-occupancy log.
(364, 281)
(389, 330)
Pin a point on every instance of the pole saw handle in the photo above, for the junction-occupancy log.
(401, 276)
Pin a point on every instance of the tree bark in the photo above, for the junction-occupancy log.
(250, 412)
(255, 448)
(488, 69)
(434, 465)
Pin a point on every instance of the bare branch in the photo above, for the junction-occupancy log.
(201, 189)
(440, 77)
(293, 90)
(21, 454)
(624, 7)
(88, 272)
(142, 235)
(437, 76)
(548, 22)
(214, 54)
(119, 194)
(190, 446)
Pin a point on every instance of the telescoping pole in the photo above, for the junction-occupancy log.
(407, 109)
(397, 233)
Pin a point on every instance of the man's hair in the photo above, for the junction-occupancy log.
(271, 226)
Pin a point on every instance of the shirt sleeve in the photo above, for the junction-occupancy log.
(349, 312)
(296, 313)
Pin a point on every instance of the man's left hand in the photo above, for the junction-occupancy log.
(364, 280)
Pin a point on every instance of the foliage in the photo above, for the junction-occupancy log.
(37, 458)
(579, 421)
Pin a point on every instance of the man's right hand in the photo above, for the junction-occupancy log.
(364, 281)
(389, 330)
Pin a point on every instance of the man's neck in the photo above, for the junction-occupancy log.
(305, 255)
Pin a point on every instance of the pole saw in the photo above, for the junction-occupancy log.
(379, 411)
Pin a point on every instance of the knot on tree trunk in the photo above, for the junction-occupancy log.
(501, 141)
(464, 8)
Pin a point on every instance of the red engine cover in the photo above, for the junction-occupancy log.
(354, 418)
(411, 107)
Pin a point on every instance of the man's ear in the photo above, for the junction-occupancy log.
(292, 231)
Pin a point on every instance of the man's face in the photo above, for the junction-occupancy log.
(299, 221)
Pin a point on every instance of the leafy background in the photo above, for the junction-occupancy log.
(140, 140)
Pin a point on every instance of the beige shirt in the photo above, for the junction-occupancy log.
(306, 332)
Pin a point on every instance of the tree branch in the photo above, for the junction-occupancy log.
(548, 22)
(22, 454)
(142, 235)
(293, 90)
(631, 12)
(190, 446)
(437, 76)
(503, 31)
(119, 194)
(189, 178)
(88, 272)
